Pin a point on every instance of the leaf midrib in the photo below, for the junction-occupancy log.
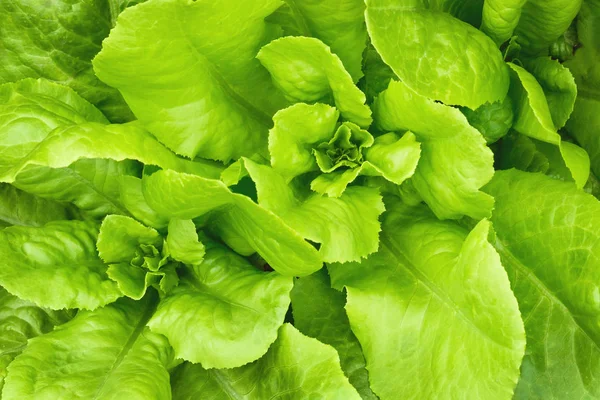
(435, 290)
(139, 328)
(503, 249)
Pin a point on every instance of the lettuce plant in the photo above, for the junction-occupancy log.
(300, 199)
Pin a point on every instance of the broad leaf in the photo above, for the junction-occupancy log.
(209, 95)
(20, 321)
(56, 266)
(57, 41)
(242, 224)
(455, 161)
(418, 311)
(548, 238)
(319, 312)
(225, 313)
(542, 21)
(493, 120)
(20, 208)
(437, 55)
(106, 354)
(295, 367)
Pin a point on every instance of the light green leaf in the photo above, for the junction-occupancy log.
(208, 96)
(306, 70)
(340, 25)
(533, 119)
(417, 309)
(585, 120)
(242, 224)
(21, 320)
(182, 242)
(132, 198)
(493, 120)
(392, 157)
(30, 109)
(542, 21)
(319, 313)
(57, 40)
(559, 87)
(548, 237)
(225, 313)
(56, 266)
(437, 55)
(297, 130)
(20, 208)
(500, 18)
(120, 237)
(105, 354)
(295, 367)
(346, 227)
(455, 161)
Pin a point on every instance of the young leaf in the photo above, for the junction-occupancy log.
(455, 161)
(56, 266)
(340, 25)
(418, 311)
(182, 242)
(241, 223)
(225, 312)
(534, 119)
(500, 18)
(547, 234)
(108, 353)
(294, 367)
(307, 71)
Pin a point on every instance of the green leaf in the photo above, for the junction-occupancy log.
(417, 309)
(242, 224)
(20, 208)
(500, 18)
(57, 41)
(97, 156)
(542, 21)
(182, 242)
(319, 313)
(120, 237)
(548, 237)
(208, 96)
(437, 55)
(132, 198)
(30, 109)
(346, 227)
(585, 120)
(306, 70)
(559, 87)
(377, 74)
(21, 320)
(339, 25)
(106, 354)
(297, 130)
(493, 120)
(295, 367)
(455, 161)
(225, 313)
(534, 119)
(392, 157)
(56, 266)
